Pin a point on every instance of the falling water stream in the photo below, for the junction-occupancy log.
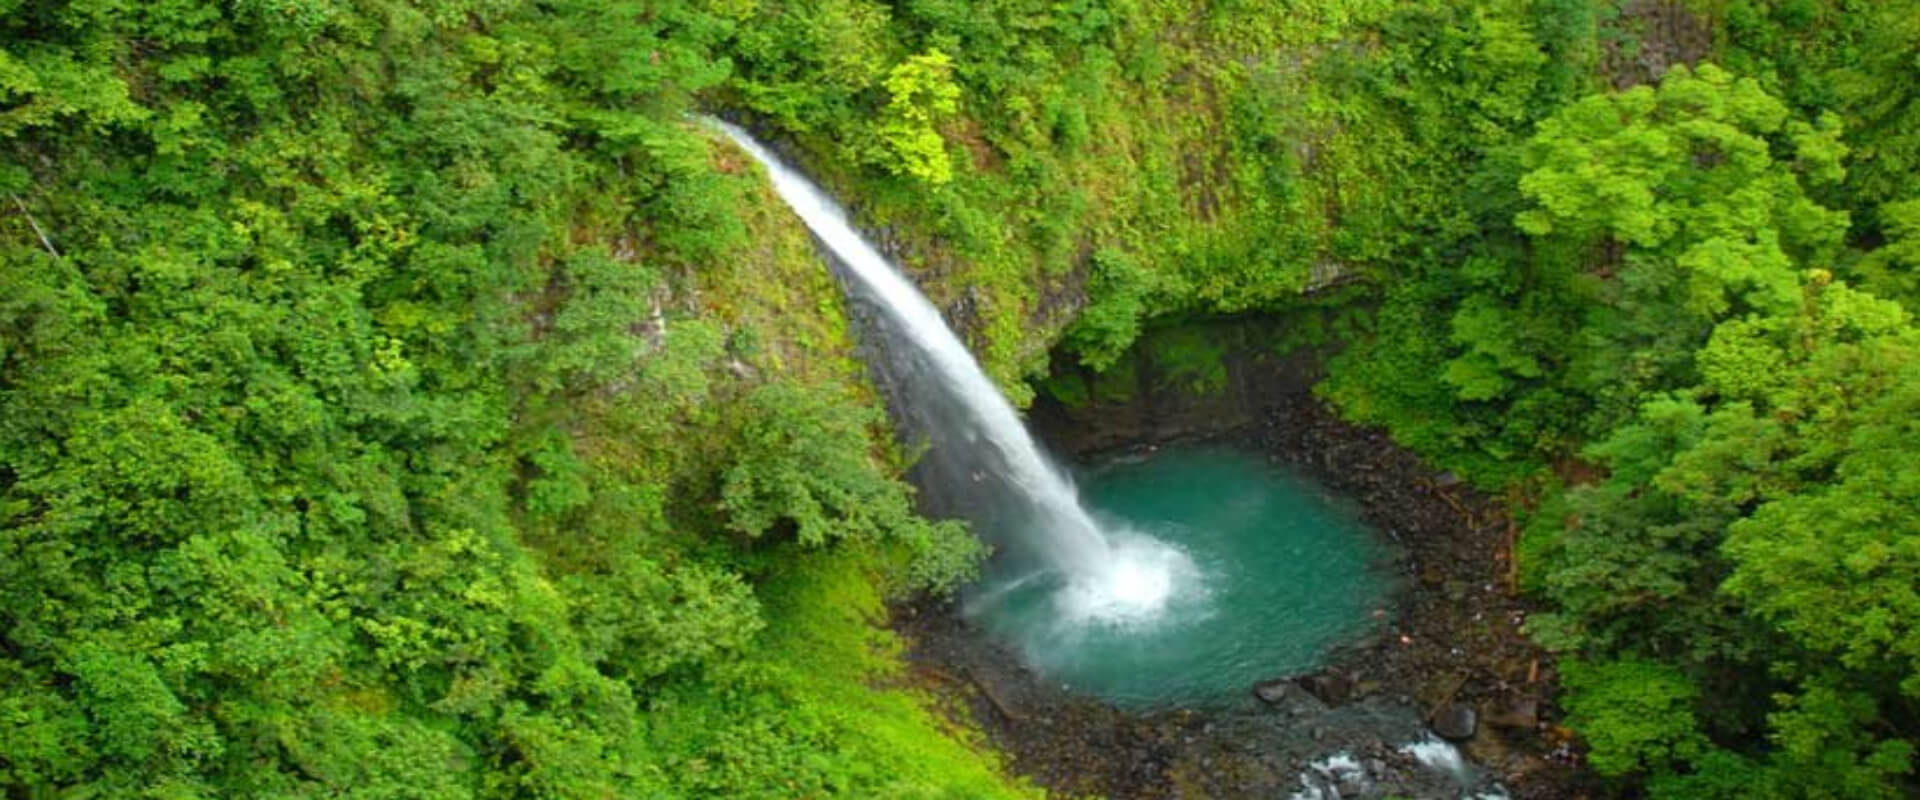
(1105, 574)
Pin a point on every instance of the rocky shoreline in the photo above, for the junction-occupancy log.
(1447, 656)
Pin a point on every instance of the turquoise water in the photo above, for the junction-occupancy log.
(1281, 573)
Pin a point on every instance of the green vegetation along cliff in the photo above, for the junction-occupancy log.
(402, 401)
(408, 399)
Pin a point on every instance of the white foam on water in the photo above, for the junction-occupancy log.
(1135, 587)
(1438, 754)
(1323, 779)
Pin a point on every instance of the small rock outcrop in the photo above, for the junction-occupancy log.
(1522, 715)
(1332, 688)
(1274, 692)
(1457, 722)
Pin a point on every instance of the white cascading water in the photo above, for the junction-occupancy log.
(1335, 777)
(1125, 577)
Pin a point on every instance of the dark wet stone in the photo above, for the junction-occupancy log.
(1522, 715)
(1331, 687)
(1274, 692)
(1457, 722)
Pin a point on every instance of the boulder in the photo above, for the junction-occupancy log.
(1522, 715)
(1274, 692)
(1457, 722)
(1331, 687)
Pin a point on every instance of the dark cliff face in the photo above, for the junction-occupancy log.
(1052, 300)
(1190, 381)
(1665, 33)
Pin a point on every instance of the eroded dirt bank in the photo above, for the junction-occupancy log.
(1447, 649)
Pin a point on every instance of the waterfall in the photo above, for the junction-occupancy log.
(1024, 499)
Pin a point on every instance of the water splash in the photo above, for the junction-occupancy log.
(1141, 580)
(1439, 755)
(1106, 579)
(1332, 778)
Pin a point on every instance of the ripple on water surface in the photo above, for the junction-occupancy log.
(1224, 571)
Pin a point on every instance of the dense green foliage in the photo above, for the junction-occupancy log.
(364, 429)
(1670, 311)
(410, 398)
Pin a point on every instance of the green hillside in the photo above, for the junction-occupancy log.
(415, 400)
